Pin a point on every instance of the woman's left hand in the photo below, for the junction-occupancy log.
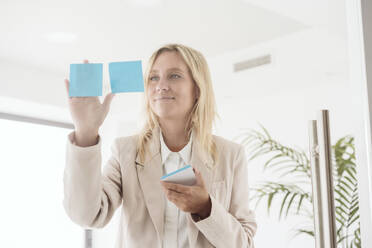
(192, 199)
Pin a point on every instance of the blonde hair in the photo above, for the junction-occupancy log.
(203, 113)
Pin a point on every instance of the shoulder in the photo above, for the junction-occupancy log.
(226, 145)
(230, 153)
(125, 148)
(127, 140)
(125, 143)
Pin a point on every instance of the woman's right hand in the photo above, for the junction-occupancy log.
(87, 114)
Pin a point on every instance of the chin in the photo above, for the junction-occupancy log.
(167, 114)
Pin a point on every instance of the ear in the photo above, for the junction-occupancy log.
(197, 92)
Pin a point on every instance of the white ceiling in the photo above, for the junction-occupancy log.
(131, 29)
(328, 15)
(40, 38)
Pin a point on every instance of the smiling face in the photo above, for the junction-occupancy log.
(171, 89)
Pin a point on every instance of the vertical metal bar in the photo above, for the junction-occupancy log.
(322, 179)
(326, 172)
(316, 185)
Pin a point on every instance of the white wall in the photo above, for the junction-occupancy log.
(32, 83)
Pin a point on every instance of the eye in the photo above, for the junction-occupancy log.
(175, 76)
(153, 78)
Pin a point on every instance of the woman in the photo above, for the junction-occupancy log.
(180, 110)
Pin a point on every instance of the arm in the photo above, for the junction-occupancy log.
(90, 196)
(236, 227)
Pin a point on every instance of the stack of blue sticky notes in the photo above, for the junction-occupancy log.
(85, 80)
(126, 76)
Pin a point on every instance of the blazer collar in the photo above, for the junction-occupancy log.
(151, 170)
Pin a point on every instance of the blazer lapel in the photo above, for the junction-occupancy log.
(204, 163)
(149, 173)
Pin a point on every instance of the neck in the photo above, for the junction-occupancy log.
(174, 134)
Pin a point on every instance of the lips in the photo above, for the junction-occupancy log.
(164, 98)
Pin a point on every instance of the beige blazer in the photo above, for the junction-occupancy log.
(91, 196)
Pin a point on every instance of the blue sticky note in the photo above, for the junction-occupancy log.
(126, 76)
(85, 80)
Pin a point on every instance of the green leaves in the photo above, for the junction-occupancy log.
(281, 158)
(285, 161)
(291, 196)
(346, 193)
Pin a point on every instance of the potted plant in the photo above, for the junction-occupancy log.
(292, 188)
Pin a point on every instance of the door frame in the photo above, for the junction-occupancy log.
(359, 22)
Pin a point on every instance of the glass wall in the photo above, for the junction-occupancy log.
(31, 187)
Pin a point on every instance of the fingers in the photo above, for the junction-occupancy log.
(108, 99)
(175, 197)
(199, 178)
(67, 84)
(174, 194)
(196, 172)
(176, 187)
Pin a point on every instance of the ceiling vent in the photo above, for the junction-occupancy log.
(252, 63)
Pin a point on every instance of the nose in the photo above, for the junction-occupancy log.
(162, 85)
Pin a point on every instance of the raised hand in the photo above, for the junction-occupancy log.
(87, 114)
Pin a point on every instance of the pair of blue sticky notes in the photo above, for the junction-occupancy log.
(86, 79)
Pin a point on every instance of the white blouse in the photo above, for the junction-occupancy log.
(175, 232)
